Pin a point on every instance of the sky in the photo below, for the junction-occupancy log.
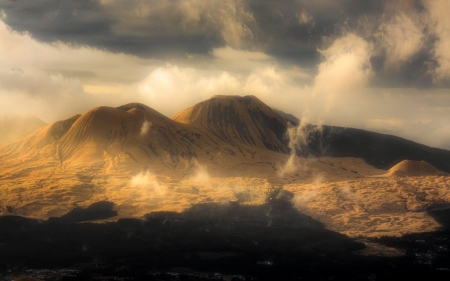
(379, 65)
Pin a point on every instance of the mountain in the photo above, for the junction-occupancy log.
(379, 150)
(116, 154)
(225, 149)
(14, 128)
(238, 120)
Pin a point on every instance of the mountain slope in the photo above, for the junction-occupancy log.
(14, 128)
(238, 120)
(380, 150)
(224, 149)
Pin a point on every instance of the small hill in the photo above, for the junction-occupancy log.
(411, 168)
(238, 120)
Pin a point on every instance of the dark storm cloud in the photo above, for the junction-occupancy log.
(292, 30)
(276, 27)
(51, 20)
(88, 22)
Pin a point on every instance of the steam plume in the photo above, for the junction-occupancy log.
(145, 127)
(201, 173)
(148, 181)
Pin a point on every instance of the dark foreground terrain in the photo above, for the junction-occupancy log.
(208, 242)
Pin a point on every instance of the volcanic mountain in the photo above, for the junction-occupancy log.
(227, 148)
(14, 128)
(238, 120)
(380, 150)
(138, 136)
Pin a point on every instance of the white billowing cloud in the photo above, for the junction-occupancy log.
(172, 87)
(257, 75)
(50, 80)
(345, 72)
(401, 38)
(21, 51)
(440, 22)
(346, 66)
(264, 81)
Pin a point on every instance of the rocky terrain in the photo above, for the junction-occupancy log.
(225, 149)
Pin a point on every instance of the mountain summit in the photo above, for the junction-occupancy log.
(238, 120)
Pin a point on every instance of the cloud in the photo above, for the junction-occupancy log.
(373, 65)
(172, 22)
(304, 18)
(55, 79)
(20, 50)
(229, 54)
(190, 85)
(401, 38)
(185, 85)
(439, 24)
(346, 65)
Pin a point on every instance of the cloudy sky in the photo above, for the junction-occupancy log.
(381, 65)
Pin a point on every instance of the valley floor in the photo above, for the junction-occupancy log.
(346, 194)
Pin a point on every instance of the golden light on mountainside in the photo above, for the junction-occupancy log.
(220, 150)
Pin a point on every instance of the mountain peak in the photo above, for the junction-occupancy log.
(242, 99)
(135, 105)
(238, 120)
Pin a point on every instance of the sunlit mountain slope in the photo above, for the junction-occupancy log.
(227, 148)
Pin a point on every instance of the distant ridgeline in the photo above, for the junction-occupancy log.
(231, 125)
(380, 150)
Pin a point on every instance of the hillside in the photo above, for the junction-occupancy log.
(225, 149)
(14, 128)
(238, 120)
(379, 150)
